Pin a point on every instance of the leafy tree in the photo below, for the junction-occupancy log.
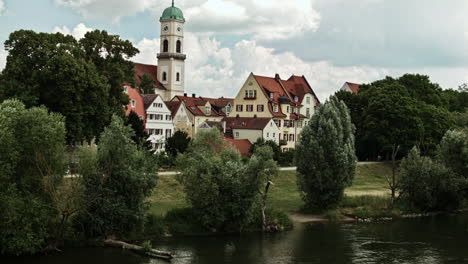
(177, 144)
(31, 168)
(325, 156)
(140, 136)
(262, 142)
(429, 185)
(146, 84)
(222, 189)
(453, 151)
(117, 179)
(80, 79)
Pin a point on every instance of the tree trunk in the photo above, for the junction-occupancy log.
(138, 249)
(393, 186)
(264, 205)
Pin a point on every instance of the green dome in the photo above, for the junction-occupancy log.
(173, 13)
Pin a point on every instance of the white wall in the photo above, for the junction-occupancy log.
(165, 124)
(271, 132)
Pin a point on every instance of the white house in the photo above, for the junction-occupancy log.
(252, 128)
(350, 87)
(158, 121)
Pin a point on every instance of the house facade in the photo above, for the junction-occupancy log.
(159, 124)
(290, 103)
(251, 128)
(350, 87)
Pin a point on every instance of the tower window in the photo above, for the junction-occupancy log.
(178, 77)
(164, 77)
(166, 45)
(178, 46)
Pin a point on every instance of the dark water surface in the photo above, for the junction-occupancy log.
(439, 239)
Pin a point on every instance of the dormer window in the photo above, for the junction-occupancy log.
(275, 108)
(272, 95)
(296, 98)
(125, 89)
(207, 110)
(133, 103)
(308, 100)
(228, 108)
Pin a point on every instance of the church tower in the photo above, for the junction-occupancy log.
(171, 59)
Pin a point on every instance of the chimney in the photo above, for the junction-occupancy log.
(277, 77)
(193, 95)
(185, 94)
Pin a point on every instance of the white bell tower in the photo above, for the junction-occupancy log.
(171, 58)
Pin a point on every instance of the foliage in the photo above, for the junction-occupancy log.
(428, 185)
(117, 178)
(453, 151)
(222, 189)
(82, 80)
(146, 84)
(325, 157)
(456, 100)
(262, 142)
(140, 137)
(184, 221)
(31, 168)
(177, 143)
(403, 112)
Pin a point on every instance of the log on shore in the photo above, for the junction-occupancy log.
(138, 249)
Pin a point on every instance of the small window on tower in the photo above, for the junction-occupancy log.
(164, 77)
(166, 45)
(178, 46)
(178, 77)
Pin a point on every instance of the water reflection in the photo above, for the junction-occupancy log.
(442, 239)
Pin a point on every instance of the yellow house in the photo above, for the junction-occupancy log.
(289, 102)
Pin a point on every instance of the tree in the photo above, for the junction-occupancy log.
(428, 185)
(31, 164)
(118, 177)
(81, 80)
(146, 84)
(262, 142)
(140, 137)
(453, 151)
(222, 189)
(177, 144)
(325, 156)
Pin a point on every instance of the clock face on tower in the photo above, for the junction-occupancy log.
(165, 28)
(179, 29)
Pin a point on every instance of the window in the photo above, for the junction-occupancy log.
(159, 117)
(239, 108)
(168, 117)
(141, 117)
(168, 133)
(285, 137)
(178, 77)
(228, 108)
(133, 103)
(125, 89)
(250, 93)
(166, 45)
(296, 98)
(207, 110)
(286, 123)
(150, 131)
(268, 135)
(164, 77)
(272, 95)
(308, 112)
(287, 109)
(291, 137)
(275, 108)
(178, 46)
(274, 134)
(249, 108)
(150, 117)
(308, 100)
(237, 134)
(259, 108)
(278, 123)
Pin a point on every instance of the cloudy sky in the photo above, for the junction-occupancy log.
(328, 41)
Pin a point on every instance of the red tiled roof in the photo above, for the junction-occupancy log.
(173, 107)
(354, 87)
(295, 115)
(271, 85)
(242, 145)
(192, 104)
(148, 99)
(255, 123)
(276, 114)
(298, 86)
(152, 70)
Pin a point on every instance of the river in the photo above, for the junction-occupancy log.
(438, 239)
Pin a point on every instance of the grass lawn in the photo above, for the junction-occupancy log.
(284, 196)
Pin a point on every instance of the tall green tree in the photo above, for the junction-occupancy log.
(32, 142)
(82, 80)
(325, 156)
(146, 84)
(177, 143)
(140, 137)
(118, 178)
(222, 189)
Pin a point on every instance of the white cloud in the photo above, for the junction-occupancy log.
(3, 56)
(148, 50)
(78, 32)
(2, 7)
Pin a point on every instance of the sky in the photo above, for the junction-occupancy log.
(328, 41)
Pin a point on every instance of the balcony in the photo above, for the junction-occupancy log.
(168, 55)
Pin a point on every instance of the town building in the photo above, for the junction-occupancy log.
(350, 87)
(135, 102)
(251, 128)
(290, 103)
(159, 124)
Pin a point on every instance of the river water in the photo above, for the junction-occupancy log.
(438, 239)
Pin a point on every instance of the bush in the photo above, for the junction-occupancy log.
(183, 221)
(279, 218)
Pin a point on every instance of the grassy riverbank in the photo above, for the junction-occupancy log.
(369, 189)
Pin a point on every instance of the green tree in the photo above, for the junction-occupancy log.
(222, 189)
(262, 142)
(428, 185)
(177, 143)
(81, 80)
(453, 151)
(325, 156)
(146, 84)
(140, 137)
(117, 179)
(31, 167)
